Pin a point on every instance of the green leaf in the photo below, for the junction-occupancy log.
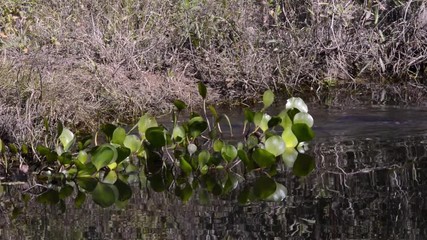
(67, 139)
(122, 154)
(231, 183)
(161, 181)
(289, 138)
(229, 152)
(2, 148)
(203, 158)
(249, 115)
(65, 158)
(197, 125)
(104, 155)
(49, 197)
(80, 199)
(184, 193)
(132, 142)
(289, 156)
(87, 183)
(268, 98)
(303, 117)
(249, 164)
(279, 194)
(125, 191)
(66, 191)
(302, 132)
(110, 178)
(296, 103)
(156, 136)
(217, 145)
(180, 105)
(275, 145)
(202, 90)
(12, 148)
(263, 158)
(185, 166)
(261, 120)
(178, 133)
(214, 112)
(145, 122)
(119, 136)
(264, 187)
(303, 165)
(104, 194)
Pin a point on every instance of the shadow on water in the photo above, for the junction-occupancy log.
(370, 182)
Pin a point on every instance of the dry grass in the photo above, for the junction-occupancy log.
(86, 62)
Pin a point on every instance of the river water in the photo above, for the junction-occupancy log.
(370, 182)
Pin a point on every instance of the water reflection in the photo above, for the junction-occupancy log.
(370, 182)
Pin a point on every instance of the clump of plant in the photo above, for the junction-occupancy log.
(191, 157)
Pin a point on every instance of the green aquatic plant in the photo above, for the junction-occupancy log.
(191, 157)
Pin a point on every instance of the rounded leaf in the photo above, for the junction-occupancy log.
(279, 194)
(268, 98)
(289, 156)
(303, 165)
(156, 136)
(229, 152)
(264, 187)
(196, 126)
(263, 158)
(132, 142)
(275, 145)
(119, 136)
(67, 139)
(289, 138)
(180, 105)
(178, 133)
(104, 155)
(305, 118)
(217, 145)
(104, 195)
(145, 122)
(302, 132)
(298, 103)
(191, 148)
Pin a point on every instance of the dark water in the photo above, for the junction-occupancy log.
(370, 183)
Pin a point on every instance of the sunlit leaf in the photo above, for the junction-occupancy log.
(119, 136)
(229, 152)
(110, 178)
(263, 158)
(156, 136)
(268, 98)
(180, 105)
(303, 165)
(203, 158)
(264, 187)
(261, 120)
(202, 90)
(303, 117)
(302, 132)
(298, 103)
(191, 148)
(132, 142)
(217, 145)
(178, 133)
(275, 145)
(82, 157)
(104, 195)
(289, 156)
(289, 138)
(104, 155)
(67, 139)
(145, 122)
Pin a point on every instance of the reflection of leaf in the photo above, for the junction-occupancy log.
(104, 194)
(303, 165)
(49, 197)
(264, 187)
(263, 158)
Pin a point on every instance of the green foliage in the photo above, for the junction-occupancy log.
(190, 155)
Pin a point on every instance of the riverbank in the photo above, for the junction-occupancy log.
(86, 63)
